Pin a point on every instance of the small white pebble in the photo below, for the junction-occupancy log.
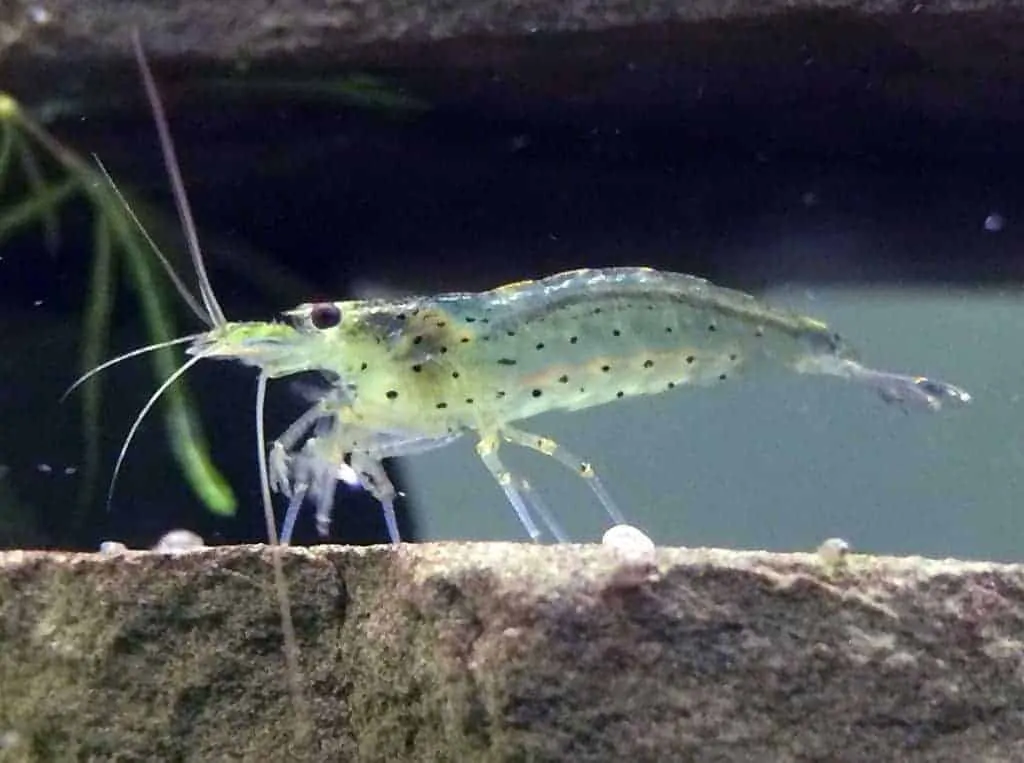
(178, 541)
(38, 15)
(44, 468)
(628, 541)
(112, 547)
(9, 740)
(69, 470)
(833, 551)
(994, 222)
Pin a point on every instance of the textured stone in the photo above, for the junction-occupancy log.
(254, 29)
(505, 652)
(886, 59)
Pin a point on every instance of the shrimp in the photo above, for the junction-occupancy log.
(409, 375)
(418, 373)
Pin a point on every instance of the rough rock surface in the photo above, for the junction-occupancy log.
(504, 652)
(255, 30)
(892, 59)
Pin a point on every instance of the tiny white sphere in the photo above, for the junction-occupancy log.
(833, 550)
(177, 541)
(628, 540)
(37, 14)
(112, 547)
(994, 222)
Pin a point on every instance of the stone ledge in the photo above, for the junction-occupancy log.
(825, 62)
(253, 30)
(502, 652)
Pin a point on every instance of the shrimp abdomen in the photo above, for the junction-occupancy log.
(587, 337)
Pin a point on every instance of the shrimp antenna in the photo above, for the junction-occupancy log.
(145, 410)
(179, 285)
(291, 644)
(134, 353)
(177, 184)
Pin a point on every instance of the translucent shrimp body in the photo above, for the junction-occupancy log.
(417, 373)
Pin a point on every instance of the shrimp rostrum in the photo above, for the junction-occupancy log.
(414, 374)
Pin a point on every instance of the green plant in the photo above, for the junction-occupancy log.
(38, 175)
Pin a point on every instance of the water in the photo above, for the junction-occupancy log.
(911, 256)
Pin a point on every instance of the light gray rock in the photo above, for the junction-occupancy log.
(506, 652)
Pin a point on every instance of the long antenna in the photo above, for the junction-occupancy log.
(178, 373)
(177, 184)
(291, 642)
(179, 285)
(133, 354)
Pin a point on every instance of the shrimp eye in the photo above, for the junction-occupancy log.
(325, 316)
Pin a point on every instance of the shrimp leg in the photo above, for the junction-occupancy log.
(306, 471)
(294, 503)
(279, 459)
(549, 447)
(366, 462)
(541, 508)
(313, 471)
(378, 484)
(518, 491)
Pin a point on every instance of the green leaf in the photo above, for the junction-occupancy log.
(94, 343)
(39, 188)
(22, 140)
(40, 205)
(184, 431)
(6, 147)
(193, 455)
(361, 90)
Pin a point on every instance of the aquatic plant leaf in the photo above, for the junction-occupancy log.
(183, 428)
(360, 90)
(38, 189)
(94, 344)
(21, 138)
(367, 90)
(39, 205)
(193, 455)
(7, 133)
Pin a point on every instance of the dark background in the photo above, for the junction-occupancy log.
(872, 218)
